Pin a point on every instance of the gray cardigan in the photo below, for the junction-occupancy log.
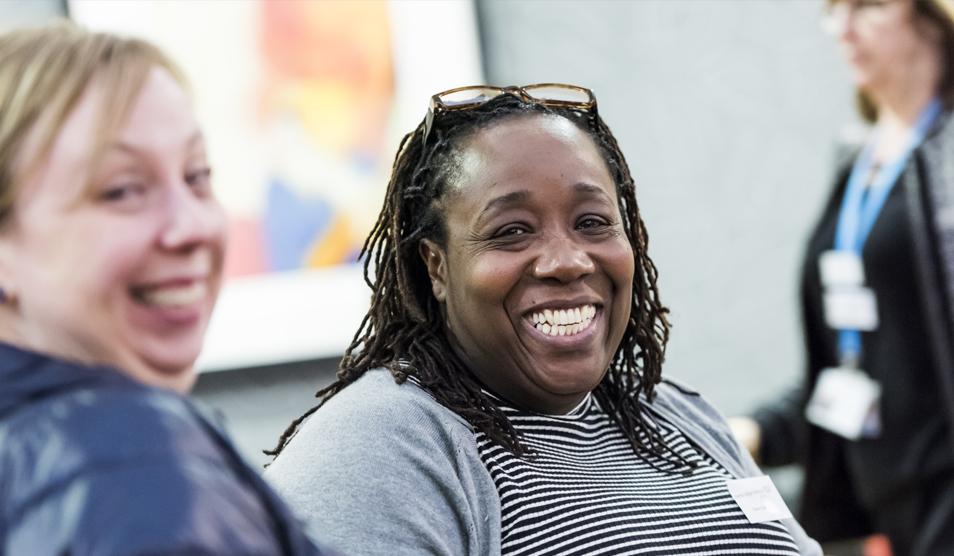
(384, 469)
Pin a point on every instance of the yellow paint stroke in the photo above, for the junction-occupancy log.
(334, 246)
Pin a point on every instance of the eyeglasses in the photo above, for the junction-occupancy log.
(550, 94)
(866, 12)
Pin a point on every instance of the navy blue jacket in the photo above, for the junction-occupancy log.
(95, 463)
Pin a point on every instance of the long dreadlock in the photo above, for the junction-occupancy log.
(404, 329)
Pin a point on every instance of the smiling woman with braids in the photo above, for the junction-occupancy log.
(504, 395)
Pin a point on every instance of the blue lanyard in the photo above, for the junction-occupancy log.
(863, 203)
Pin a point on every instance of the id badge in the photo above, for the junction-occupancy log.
(841, 268)
(846, 402)
(851, 308)
(759, 499)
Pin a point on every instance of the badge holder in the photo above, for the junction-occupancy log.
(846, 401)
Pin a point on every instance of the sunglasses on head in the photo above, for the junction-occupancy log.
(550, 94)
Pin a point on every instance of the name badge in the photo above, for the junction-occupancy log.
(851, 308)
(841, 268)
(759, 499)
(846, 402)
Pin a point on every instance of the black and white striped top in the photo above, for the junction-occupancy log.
(585, 492)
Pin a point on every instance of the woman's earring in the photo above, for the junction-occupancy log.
(3, 296)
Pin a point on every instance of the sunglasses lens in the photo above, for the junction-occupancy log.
(559, 94)
(467, 97)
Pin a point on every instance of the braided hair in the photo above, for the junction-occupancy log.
(404, 331)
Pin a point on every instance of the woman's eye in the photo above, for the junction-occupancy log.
(200, 179)
(587, 223)
(511, 232)
(122, 192)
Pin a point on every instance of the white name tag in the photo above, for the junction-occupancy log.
(851, 308)
(841, 268)
(846, 402)
(759, 499)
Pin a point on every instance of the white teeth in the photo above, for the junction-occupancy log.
(564, 322)
(174, 297)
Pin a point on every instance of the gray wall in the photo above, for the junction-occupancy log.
(728, 113)
(20, 13)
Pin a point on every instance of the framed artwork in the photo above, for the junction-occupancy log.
(303, 104)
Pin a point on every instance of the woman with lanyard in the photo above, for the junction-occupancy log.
(873, 421)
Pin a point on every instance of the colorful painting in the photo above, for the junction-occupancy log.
(325, 93)
(303, 104)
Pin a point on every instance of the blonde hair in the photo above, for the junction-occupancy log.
(939, 13)
(44, 73)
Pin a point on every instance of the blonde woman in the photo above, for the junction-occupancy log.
(111, 247)
(874, 421)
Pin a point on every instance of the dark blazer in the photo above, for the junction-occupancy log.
(92, 462)
(829, 509)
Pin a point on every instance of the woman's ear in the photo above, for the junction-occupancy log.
(436, 262)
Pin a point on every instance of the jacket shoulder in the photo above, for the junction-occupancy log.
(112, 425)
(937, 150)
(123, 464)
(102, 422)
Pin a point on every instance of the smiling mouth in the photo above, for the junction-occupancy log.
(171, 297)
(564, 322)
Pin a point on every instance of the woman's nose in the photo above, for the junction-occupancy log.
(192, 220)
(563, 259)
